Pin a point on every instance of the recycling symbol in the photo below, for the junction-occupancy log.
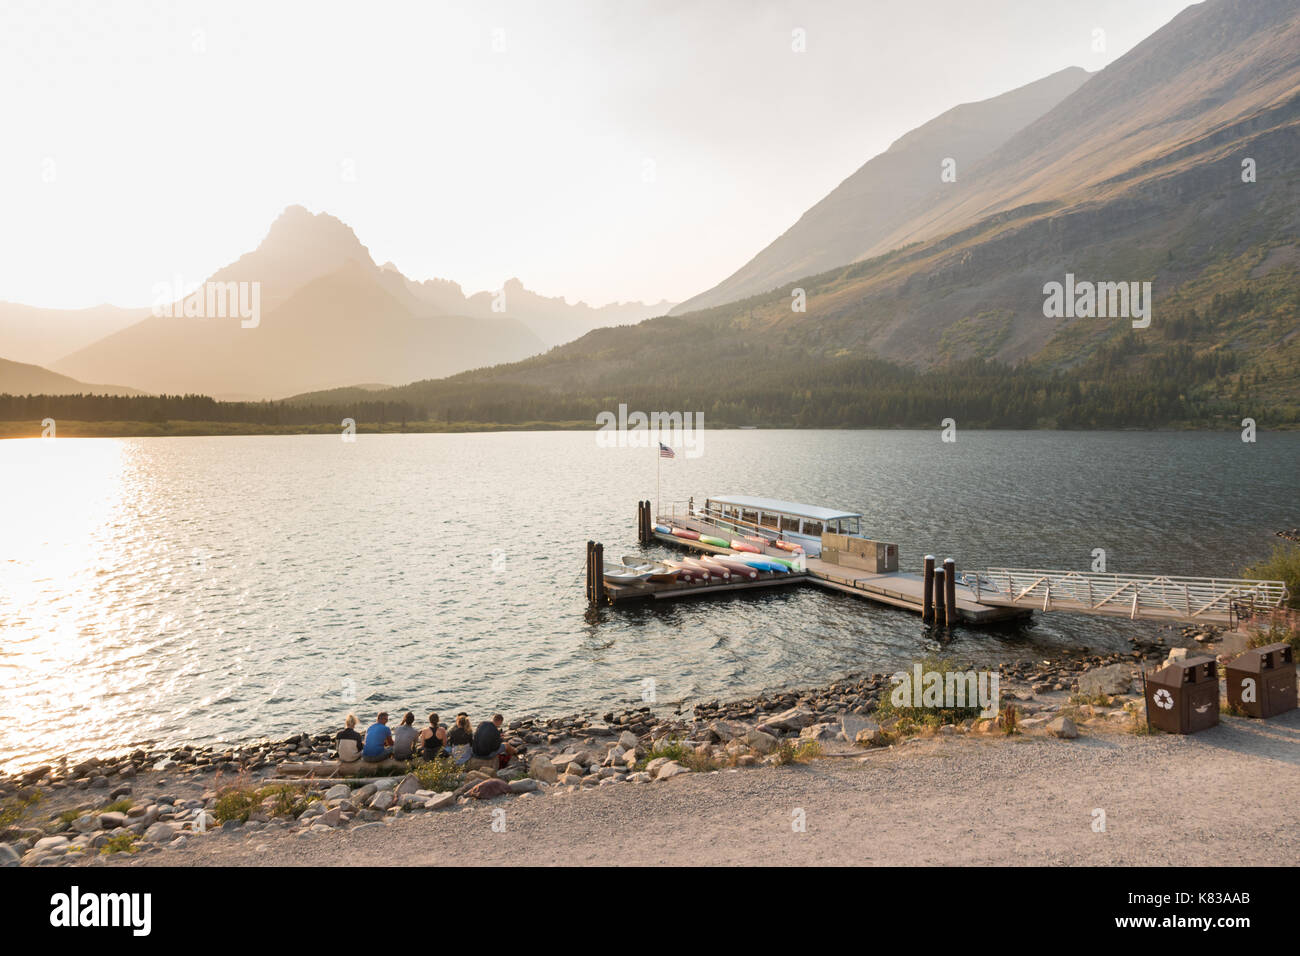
(1164, 699)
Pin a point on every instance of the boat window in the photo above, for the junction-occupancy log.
(854, 526)
(750, 516)
(768, 520)
(812, 527)
(789, 524)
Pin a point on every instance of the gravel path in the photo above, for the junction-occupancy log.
(1224, 796)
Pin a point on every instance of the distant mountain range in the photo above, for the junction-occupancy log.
(1178, 164)
(328, 317)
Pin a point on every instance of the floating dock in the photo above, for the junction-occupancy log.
(852, 564)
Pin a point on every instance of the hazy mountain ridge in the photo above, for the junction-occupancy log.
(30, 334)
(19, 378)
(890, 189)
(331, 317)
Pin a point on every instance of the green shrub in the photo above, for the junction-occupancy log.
(927, 716)
(1282, 565)
(440, 775)
(13, 810)
(122, 843)
(118, 806)
(286, 800)
(235, 803)
(800, 751)
(1276, 632)
(669, 747)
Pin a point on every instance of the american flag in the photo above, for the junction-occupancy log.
(665, 451)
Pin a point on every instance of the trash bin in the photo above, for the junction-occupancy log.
(1183, 698)
(1261, 681)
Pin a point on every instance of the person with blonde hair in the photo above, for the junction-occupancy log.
(460, 740)
(348, 741)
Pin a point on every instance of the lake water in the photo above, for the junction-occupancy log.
(202, 589)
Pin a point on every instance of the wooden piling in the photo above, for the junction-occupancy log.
(950, 590)
(927, 602)
(598, 564)
(591, 572)
(940, 598)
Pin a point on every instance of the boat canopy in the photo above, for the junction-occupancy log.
(775, 506)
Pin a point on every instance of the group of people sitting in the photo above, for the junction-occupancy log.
(435, 741)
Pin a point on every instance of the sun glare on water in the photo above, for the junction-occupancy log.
(63, 656)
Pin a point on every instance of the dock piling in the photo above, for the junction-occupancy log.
(598, 569)
(927, 602)
(950, 590)
(940, 598)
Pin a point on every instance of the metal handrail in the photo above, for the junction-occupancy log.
(1186, 597)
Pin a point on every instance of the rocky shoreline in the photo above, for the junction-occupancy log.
(108, 810)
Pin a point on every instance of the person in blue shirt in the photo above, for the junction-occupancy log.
(379, 741)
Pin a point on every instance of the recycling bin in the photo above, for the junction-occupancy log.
(1261, 681)
(1183, 698)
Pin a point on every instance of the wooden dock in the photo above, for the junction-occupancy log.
(904, 590)
(895, 588)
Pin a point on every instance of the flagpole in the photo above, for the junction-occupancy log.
(658, 464)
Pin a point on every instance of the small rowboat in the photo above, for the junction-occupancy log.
(737, 568)
(789, 546)
(715, 570)
(659, 573)
(738, 545)
(686, 533)
(663, 530)
(716, 542)
(616, 573)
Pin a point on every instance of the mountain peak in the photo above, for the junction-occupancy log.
(298, 226)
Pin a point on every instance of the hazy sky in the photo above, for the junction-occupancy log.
(601, 150)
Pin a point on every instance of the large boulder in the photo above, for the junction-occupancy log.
(628, 740)
(725, 730)
(671, 769)
(340, 791)
(410, 783)
(382, 800)
(796, 718)
(525, 785)
(1112, 679)
(160, 832)
(541, 768)
(760, 742)
(653, 766)
(488, 789)
(1063, 727)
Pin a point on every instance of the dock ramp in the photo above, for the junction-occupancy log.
(1135, 596)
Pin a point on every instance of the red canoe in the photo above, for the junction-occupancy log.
(684, 533)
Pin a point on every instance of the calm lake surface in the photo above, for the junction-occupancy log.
(205, 589)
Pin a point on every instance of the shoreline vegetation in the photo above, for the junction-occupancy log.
(191, 429)
(109, 810)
